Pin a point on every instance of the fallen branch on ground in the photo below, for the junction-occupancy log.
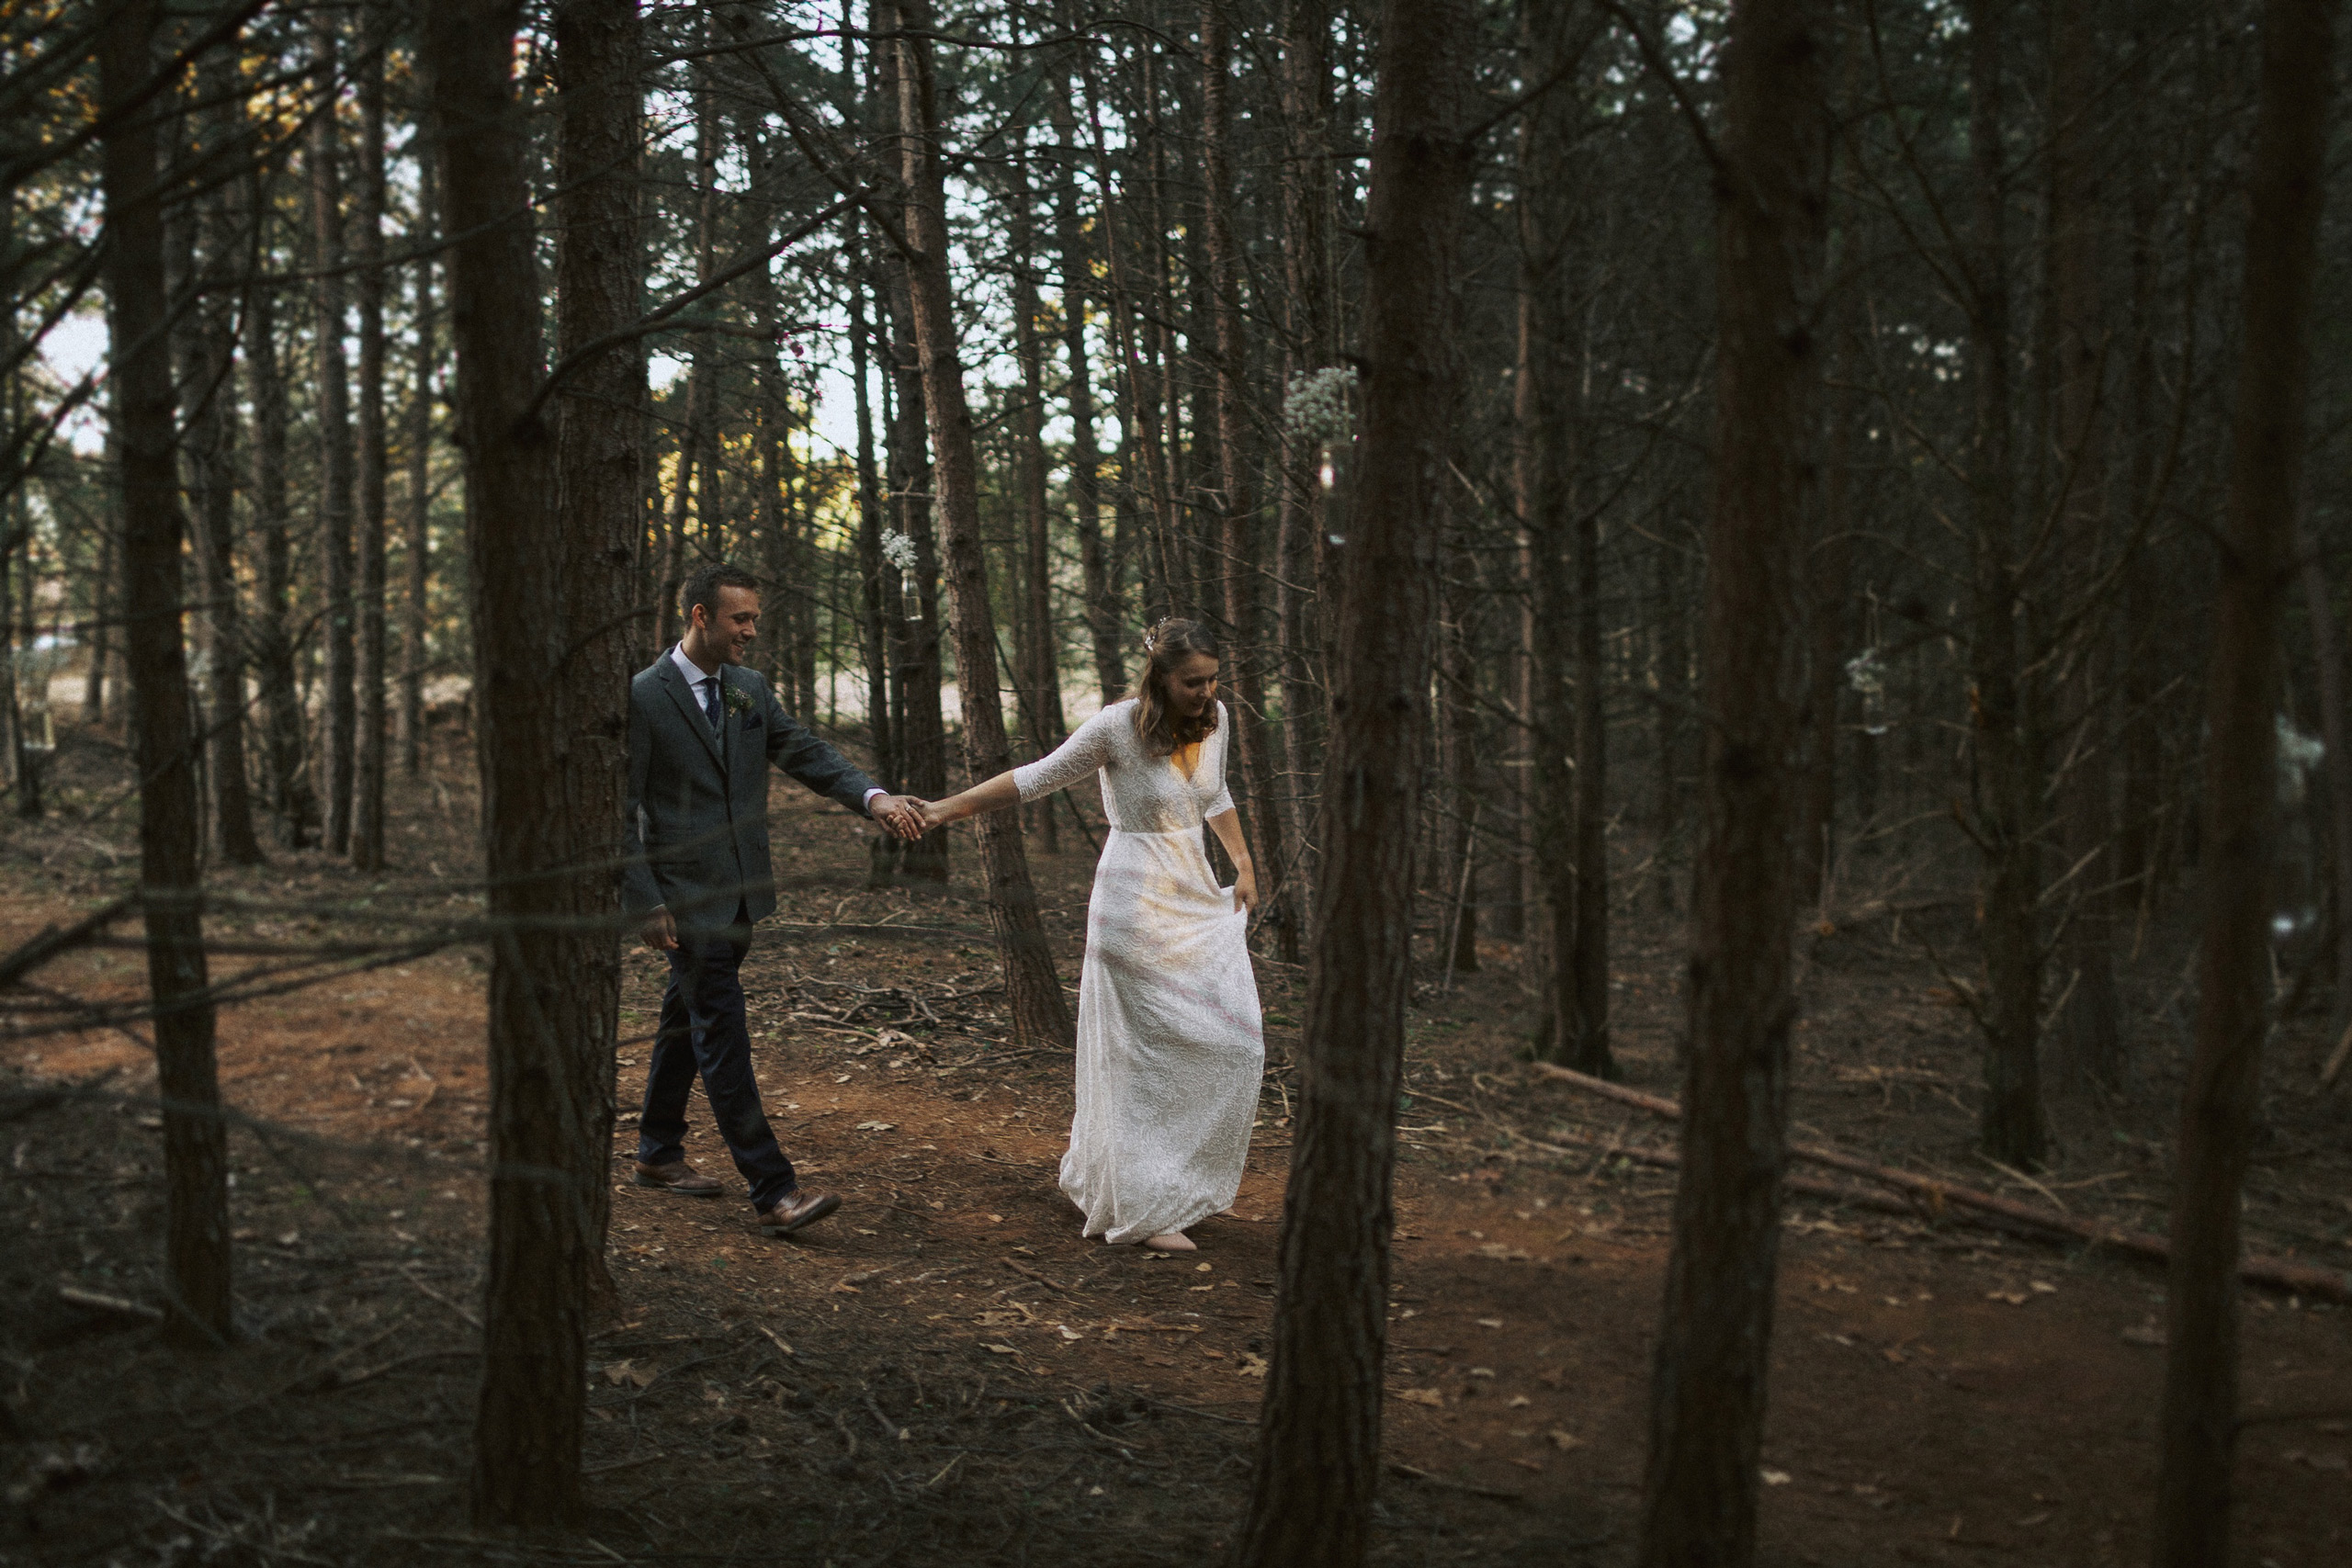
(2279, 1273)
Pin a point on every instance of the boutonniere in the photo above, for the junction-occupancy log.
(736, 699)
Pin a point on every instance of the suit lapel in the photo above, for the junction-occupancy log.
(683, 695)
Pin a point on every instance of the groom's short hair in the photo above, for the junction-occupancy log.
(702, 585)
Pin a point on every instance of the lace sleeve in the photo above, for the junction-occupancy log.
(1080, 756)
(1224, 801)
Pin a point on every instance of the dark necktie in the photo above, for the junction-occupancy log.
(710, 700)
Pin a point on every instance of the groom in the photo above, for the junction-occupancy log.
(702, 730)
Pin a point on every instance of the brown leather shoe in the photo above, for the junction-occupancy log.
(676, 1177)
(797, 1209)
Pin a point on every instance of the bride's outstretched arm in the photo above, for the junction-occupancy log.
(996, 795)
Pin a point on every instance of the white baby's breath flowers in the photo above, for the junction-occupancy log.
(898, 550)
(1318, 404)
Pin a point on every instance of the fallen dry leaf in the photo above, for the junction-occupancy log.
(1430, 1396)
(1773, 1477)
(1252, 1366)
(1564, 1441)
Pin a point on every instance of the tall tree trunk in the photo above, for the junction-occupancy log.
(102, 614)
(1589, 958)
(2087, 1036)
(916, 672)
(293, 801)
(1040, 649)
(367, 610)
(1318, 1454)
(212, 436)
(1551, 357)
(2286, 175)
(415, 607)
(1707, 1385)
(879, 592)
(2007, 790)
(1308, 221)
(336, 455)
(600, 265)
(1245, 654)
(1096, 567)
(1040, 1012)
(548, 550)
(196, 1152)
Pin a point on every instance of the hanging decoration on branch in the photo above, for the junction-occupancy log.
(1319, 404)
(900, 550)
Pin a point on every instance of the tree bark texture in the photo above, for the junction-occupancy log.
(293, 801)
(2199, 1423)
(212, 439)
(2008, 782)
(1319, 1454)
(416, 615)
(369, 646)
(195, 1164)
(1041, 1013)
(1097, 570)
(1245, 654)
(2087, 1036)
(1707, 1387)
(549, 550)
(917, 667)
(336, 457)
(1570, 1027)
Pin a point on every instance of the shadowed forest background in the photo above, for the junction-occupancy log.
(1780, 572)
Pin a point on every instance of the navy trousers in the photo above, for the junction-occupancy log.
(703, 1034)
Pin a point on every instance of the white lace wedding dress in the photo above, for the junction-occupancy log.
(1171, 1044)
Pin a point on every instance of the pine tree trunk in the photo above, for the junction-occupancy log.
(1097, 570)
(2087, 1038)
(2007, 788)
(212, 433)
(415, 606)
(2200, 1424)
(335, 442)
(1040, 1012)
(1546, 397)
(336, 457)
(917, 661)
(102, 611)
(292, 801)
(1308, 219)
(1246, 655)
(1318, 1455)
(1041, 686)
(369, 673)
(1707, 1383)
(195, 1164)
(600, 265)
(548, 564)
(879, 589)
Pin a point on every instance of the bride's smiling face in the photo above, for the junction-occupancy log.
(1191, 685)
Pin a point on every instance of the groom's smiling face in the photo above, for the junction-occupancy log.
(725, 629)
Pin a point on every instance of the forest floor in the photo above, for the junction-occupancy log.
(947, 1373)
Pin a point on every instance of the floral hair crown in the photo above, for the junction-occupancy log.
(1151, 636)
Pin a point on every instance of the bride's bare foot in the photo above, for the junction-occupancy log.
(1174, 1241)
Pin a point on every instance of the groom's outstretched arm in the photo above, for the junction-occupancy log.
(799, 752)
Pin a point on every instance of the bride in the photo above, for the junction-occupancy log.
(1170, 1041)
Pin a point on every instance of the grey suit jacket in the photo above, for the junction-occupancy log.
(696, 838)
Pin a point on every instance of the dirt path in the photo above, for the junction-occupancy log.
(947, 1373)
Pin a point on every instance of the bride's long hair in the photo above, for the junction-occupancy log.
(1161, 729)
